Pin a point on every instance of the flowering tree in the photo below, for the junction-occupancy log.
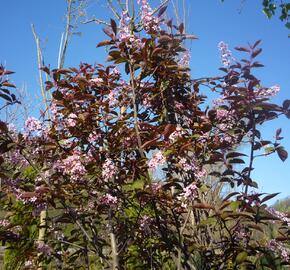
(121, 169)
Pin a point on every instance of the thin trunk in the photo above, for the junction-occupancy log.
(39, 65)
(115, 254)
(42, 232)
(67, 34)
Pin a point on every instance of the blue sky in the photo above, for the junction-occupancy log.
(210, 20)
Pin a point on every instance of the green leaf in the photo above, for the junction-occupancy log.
(242, 256)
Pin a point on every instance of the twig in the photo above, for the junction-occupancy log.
(112, 8)
(67, 34)
(40, 64)
(97, 21)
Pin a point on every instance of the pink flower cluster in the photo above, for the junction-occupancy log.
(221, 114)
(156, 187)
(109, 170)
(146, 101)
(71, 120)
(145, 223)
(185, 165)
(226, 55)
(191, 166)
(156, 160)
(280, 215)
(268, 92)
(93, 137)
(115, 72)
(200, 173)
(278, 247)
(72, 166)
(43, 248)
(32, 124)
(112, 98)
(185, 59)
(149, 21)
(96, 81)
(109, 200)
(188, 195)
(176, 134)
(4, 222)
(125, 28)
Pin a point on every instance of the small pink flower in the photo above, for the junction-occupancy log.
(176, 134)
(149, 21)
(115, 71)
(72, 166)
(32, 124)
(221, 114)
(279, 248)
(43, 248)
(188, 195)
(93, 137)
(4, 222)
(109, 170)
(226, 55)
(268, 92)
(185, 165)
(185, 59)
(156, 160)
(71, 121)
(112, 98)
(109, 200)
(145, 223)
(96, 81)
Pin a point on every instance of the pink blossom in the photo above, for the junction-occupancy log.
(185, 58)
(221, 114)
(156, 160)
(185, 165)
(109, 170)
(28, 263)
(93, 137)
(125, 28)
(156, 187)
(146, 101)
(145, 223)
(188, 195)
(33, 199)
(200, 173)
(96, 81)
(53, 108)
(226, 55)
(176, 134)
(71, 121)
(268, 92)
(280, 215)
(32, 124)
(72, 166)
(149, 21)
(109, 200)
(112, 98)
(178, 105)
(218, 101)
(189, 192)
(187, 121)
(115, 71)
(12, 128)
(4, 222)
(279, 248)
(43, 248)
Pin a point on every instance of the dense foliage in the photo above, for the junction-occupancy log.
(131, 169)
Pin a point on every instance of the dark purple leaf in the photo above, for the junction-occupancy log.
(282, 153)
